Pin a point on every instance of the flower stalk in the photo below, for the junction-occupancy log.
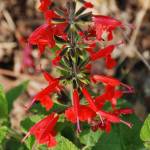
(79, 34)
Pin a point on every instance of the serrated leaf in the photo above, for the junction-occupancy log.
(145, 132)
(121, 137)
(14, 93)
(29, 142)
(89, 138)
(3, 105)
(64, 144)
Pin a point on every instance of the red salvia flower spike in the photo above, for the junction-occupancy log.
(43, 130)
(76, 108)
(61, 28)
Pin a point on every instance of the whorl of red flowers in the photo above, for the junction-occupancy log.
(66, 27)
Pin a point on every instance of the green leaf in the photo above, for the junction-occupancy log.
(121, 137)
(29, 142)
(3, 105)
(14, 144)
(64, 144)
(89, 138)
(54, 49)
(14, 93)
(3, 133)
(145, 132)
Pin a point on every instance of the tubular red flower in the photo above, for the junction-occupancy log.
(124, 111)
(52, 80)
(44, 5)
(76, 107)
(105, 23)
(111, 95)
(114, 119)
(102, 114)
(85, 114)
(44, 130)
(112, 82)
(44, 36)
(107, 80)
(48, 77)
(110, 62)
(78, 112)
(46, 102)
(43, 95)
(88, 5)
(89, 99)
(103, 52)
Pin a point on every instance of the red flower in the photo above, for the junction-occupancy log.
(88, 5)
(85, 113)
(78, 112)
(48, 77)
(102, 114)
(111, 81)
(52, 80)
(76, 107)
(106, 125)
(103, 52)
(90, 100)
(106, 53)
(44, 5)
(105, 24)
(111, 95)
(44, 130)
(49, 15)
(43, 96)
(124, 111)
(44, 35)
(110, 62)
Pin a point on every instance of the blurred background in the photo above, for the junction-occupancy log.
(19, 62)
